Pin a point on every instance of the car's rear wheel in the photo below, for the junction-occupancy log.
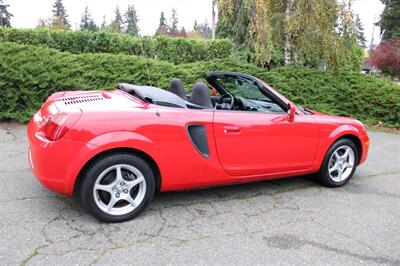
(339, 164)
(117, 187)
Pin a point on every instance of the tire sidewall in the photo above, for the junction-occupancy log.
(324, 170)
(97, 168)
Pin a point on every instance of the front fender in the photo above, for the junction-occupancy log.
(329, 136)
(343, 130)
(115, 140)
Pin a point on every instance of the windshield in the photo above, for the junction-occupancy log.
(243, 88)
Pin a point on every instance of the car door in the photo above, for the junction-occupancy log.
(255, 143)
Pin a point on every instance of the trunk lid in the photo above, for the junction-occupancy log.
(94, 101)
(63, 109)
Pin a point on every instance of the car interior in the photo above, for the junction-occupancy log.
(245, 96)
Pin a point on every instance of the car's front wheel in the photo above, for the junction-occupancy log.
(339, 164)
(117, 187)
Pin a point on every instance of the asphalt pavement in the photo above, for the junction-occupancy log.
(290, 221)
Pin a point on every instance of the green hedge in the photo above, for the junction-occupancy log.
(29, 74)
(175, 50)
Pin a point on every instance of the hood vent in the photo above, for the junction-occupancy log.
(82, 99)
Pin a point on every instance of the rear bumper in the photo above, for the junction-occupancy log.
(54, 162)
(54, 182)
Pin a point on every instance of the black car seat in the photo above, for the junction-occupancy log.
(200, 95)
(177, 88)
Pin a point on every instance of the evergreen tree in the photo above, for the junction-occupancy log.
(173, 29)
(87, 22)
(92, 26)
(162, 26)
(163, 20)
(131, 21)
(195, 33)
(360, 32)
(205, 30)
(116, 24)
(104, 25)
(196, 26)
(390, 20)
(60, 17)
(182, 33)
(5, 16)
(234, 20)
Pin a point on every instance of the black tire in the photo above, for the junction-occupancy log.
(96, 169)
(323, 175)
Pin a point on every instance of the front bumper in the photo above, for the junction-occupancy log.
(364, 149)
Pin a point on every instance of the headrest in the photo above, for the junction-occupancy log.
(177, 88)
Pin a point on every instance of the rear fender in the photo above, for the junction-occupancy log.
(116, 140)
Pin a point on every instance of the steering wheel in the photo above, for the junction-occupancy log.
(224, 105)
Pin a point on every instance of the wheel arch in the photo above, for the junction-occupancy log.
(127, 150)
(343, 131)
(356, 140)
(346, 131)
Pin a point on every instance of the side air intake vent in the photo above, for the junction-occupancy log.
(198, 136)
(82, 99)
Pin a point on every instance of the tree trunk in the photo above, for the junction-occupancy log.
(213, 20)
(288, 43)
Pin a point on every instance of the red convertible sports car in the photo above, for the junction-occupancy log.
(117, 148)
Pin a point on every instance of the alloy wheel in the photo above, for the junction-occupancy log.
(341, 163)
(119, 189)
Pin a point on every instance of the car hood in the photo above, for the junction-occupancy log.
(337, 120)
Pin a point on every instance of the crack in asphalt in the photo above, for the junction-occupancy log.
(391, 172)
(198, 236)
(13, 135)
(332, 229)
(28, 198)
(31, 256)
(235, 212)
(363, 189)
(284, 242)
(196, 214)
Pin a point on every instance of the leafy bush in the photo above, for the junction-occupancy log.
(175, 50)
(386, 57)
(367, 98)
(29, 74)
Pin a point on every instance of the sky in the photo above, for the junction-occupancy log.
(28, 12)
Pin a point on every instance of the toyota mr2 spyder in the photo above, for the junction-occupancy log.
(116, 148)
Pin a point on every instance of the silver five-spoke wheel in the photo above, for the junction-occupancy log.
(341, 163)
(119, 189)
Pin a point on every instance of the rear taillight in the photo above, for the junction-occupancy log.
(59, 124)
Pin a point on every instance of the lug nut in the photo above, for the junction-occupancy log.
(125, 191)
(122, 183)
(114, 187)
(117, 195)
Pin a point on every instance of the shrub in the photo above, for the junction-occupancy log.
(370, 99)
(29, 74)
(386, 57)
(175, 50)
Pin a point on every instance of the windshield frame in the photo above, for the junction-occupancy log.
(212, 79)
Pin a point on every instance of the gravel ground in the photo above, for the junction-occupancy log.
(291, 221)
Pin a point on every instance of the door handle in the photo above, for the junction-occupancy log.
(231, 129)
